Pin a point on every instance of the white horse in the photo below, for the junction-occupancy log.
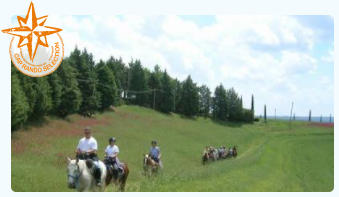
(81, 178)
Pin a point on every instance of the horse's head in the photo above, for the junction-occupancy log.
(73, 173)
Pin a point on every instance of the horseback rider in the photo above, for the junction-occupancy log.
(111, 158)
(155, 153)
(86, 150)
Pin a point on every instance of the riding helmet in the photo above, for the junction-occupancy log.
(154, 142)
(112, 139)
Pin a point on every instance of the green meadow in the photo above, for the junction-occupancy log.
(271, 157)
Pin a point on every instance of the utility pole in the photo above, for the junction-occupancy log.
(291, 116)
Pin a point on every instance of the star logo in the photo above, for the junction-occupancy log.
(29, 50)
(32, 31)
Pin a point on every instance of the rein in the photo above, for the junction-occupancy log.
(76, 177)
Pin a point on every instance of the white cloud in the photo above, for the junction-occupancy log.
(329, 57)
(265, 55)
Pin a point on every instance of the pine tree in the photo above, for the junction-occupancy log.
(154, 84)
(204, 101)
(138, 84)
(86, 77)
(177, 95)
(106, 86)
(71, 97)
(189, 98)
(19, 105)
(56, 91)
(166, 94)
(119, 70)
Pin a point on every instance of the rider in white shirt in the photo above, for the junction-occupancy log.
(87, 149)
(111, 158)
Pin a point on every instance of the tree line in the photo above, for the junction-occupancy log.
(82, 86)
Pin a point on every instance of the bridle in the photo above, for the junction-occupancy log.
(77, 175)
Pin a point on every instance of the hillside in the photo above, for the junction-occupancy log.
(270, 157)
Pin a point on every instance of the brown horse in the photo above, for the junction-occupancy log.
(150, 165)
(121, 179)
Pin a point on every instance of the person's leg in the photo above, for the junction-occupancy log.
(97, 170)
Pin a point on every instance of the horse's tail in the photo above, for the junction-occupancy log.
(124, 177)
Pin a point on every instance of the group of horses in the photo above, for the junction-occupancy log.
(80, 174)
(212, 154)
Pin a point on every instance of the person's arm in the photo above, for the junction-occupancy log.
(77, 150)
(116, 153)
(159, 153)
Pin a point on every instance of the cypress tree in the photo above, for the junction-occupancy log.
(265, 117)
(310, 116)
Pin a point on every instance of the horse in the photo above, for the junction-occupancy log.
(235, 153)
(150, 165)
(80, 176)
(205, 158)
(122, 178)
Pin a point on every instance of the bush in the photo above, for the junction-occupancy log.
(256, 119)
(247, 115)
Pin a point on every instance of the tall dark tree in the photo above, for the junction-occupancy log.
(106, 86)
(220, 106)
(86, 77)
(265, 115)
(138, 84)
(205, 101)
(19, 105)
(252, 105)
(166, 94)
(189, 102)
(120, 72)
(177, 95)
(71, 97)
(154, 84)
(234, 105)
(56, 91)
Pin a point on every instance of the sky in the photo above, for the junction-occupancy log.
(278, 59)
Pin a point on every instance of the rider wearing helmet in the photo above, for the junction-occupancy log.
(111, 157)
(154, 152)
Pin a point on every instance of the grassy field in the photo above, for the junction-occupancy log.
(270, 156)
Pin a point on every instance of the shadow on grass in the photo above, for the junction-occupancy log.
(230, 123)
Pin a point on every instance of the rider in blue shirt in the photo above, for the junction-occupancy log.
(155, 152)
